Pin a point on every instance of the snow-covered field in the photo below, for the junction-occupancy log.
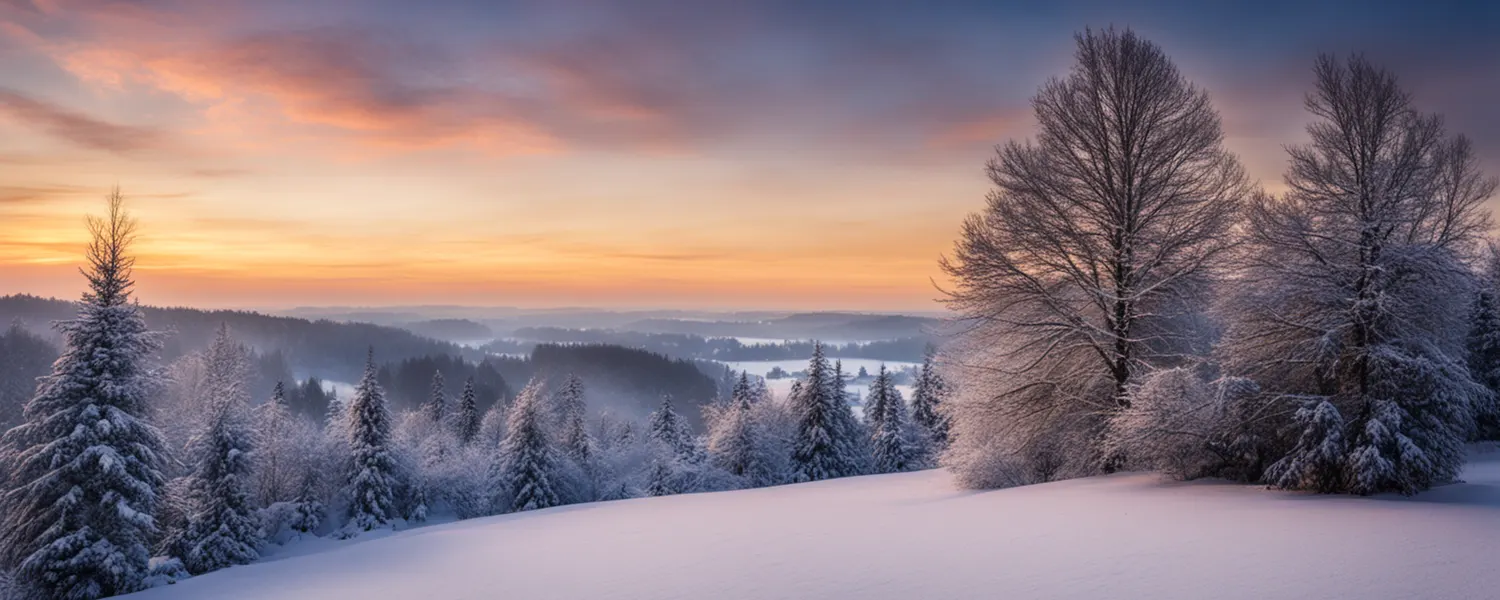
(913, 536)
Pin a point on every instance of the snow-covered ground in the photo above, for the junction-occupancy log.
(913, 536)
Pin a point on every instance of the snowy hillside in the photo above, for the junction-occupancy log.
(910, 536)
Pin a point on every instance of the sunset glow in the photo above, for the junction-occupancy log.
(652, 154)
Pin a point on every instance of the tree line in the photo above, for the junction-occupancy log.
(123, 475)
(1132, 301)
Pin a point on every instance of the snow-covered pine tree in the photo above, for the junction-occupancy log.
(467, 419)
(875, 402)
(894, 448)
(1317, 463)
(577, 444)
(527, 467)
(667, 427)
(853, 438)
(1484, 360)
(372, 483)
(572, 411)
(819, 450)
(85, 465)
(926, 399)
(436, 407)
(741, 388)
(731, 438)
(758, 390)
(222, 526)
(663, 478)
(336, 419)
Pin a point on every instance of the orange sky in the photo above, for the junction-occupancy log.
(285, 153)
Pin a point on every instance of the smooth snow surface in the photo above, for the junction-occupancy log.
(912, 536)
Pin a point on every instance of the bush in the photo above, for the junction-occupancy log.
(1185, 428)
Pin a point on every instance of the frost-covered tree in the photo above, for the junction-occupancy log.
(895, 447)
(1317, 462)
(85, 464)
(822, 447)
(663, 479)
(467, 420)
(1187, 428)
(1484, 359)
(741, 442)
(288, 468)
(853, 441)
(436, 408)
(927, 398)
(1090, 260)
(372, 484)
(527, 476)
(576, 443)
(222, 526)
(278, 456)
(669, 428)
(1354, 290)
(572, 412)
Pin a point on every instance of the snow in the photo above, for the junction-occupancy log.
(912, 535)
(780, 387)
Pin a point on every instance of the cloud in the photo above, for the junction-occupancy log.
(78, 128)
(14, 195)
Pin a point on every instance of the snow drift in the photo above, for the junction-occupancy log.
(913, 535)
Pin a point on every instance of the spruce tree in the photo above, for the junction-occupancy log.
(737, 441)
(926, 398)
(528, 469)
(667, 427)
(85, 465)
(662, 480)
(372, 482)
(1317, 461)
(222, 527)
(436, 407)
(572, 409)
(1484, 362)
(893, 447)
(467, 419)
(816, 447)
(852, 437)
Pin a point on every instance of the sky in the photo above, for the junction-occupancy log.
(736, 155)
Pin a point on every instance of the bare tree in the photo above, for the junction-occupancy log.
(1354, 289)
(1092, 258)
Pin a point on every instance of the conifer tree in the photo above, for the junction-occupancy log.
(662, 480)
(528, 468)
(667, 427)
(577, 444)
(436, 407)
(1318, 460)
(466, 423)
(85, 465)
(926, 398)
(372, 480)
(821, 448)
(852, 439)
(222, 527)
(894, 448)
(737, 442)
(1484, 362)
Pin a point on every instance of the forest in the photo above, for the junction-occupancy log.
(1125, 300)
